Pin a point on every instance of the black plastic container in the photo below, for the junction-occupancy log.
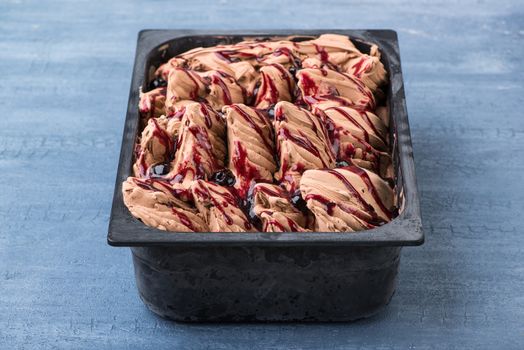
(267, 276)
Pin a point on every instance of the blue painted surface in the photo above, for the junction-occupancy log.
(65, 70)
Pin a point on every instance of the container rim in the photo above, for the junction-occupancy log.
(405, 230)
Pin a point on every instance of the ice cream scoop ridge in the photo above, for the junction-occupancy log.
(162, 205)
(219, 207)
(157, 144)
(200, 148)
(272, 204)
(347, 199)
(152, 103)
(302, 143)
(251, 146)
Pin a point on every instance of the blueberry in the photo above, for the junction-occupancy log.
(223, 177)
(254, 219)
(160, 169)
(251, 99)
(158, 82)
(298, 202)
(342, 164)
(248, 207)
(271, 112)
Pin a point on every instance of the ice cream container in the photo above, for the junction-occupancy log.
(308, 276)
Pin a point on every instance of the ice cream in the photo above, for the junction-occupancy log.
(152, 103)
(273, 205)
(347, 199)
(272, 135)
(251, 147)
(358, 137)
(302, 143)
(162, 205)
(157, 144)
(277, 85)
(219, 207)
(215, 88)
(201, 148)
(327, 87)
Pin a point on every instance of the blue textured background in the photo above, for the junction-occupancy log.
(65, 70)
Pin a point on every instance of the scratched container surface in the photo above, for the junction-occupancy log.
(319, 276)
(66, 68)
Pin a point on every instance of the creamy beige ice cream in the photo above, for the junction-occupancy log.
(277, 85)
(201, 149)
(251, 146)
(157, 144)
(219, 207)
(216, 88)
(359, 137)
(272, 204)
(162, 205)
(302, 143)
(282, 135)
(328, 87)
(152, 103)
(347, 199)
(331, 50)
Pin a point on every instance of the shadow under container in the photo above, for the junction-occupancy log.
(313, 276)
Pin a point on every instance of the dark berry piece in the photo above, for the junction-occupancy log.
(160, 169)
(297, 94)
(271, 112)
(277, 158)
(158, 82)
(254, 219)
(223, 177)
(251, 99)
(342, 164)
(249, 204)
(293, 70)
(298, 202)
(175, 144)
(330, 127)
